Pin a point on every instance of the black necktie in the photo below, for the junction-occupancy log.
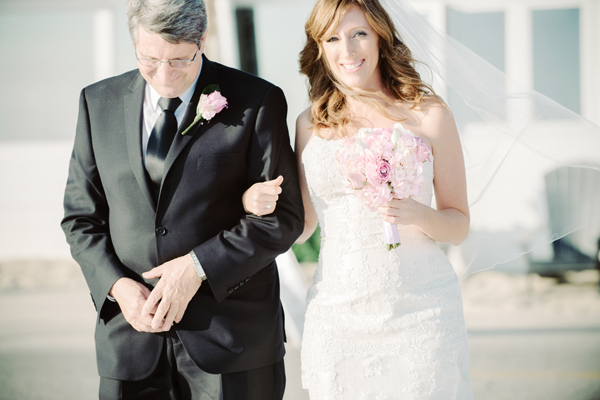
(161, 138)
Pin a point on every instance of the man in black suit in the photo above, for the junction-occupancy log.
(183, 279)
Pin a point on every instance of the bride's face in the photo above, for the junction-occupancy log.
(352, 51)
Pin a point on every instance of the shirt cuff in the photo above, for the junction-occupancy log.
(197, 266)
(108, 296)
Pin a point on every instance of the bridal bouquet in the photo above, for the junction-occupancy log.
(380, 164)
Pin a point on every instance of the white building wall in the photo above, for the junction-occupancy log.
(280, 38)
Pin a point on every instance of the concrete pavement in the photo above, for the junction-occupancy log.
(47, 349)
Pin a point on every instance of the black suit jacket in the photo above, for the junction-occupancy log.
(116, 229)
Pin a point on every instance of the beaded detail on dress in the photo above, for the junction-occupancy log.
(379, 324)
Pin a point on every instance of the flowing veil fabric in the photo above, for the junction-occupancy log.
(520, 136)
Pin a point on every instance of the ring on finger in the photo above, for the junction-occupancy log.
(268, 204)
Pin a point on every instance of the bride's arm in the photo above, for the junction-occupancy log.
(449, 223)
(304, 132)
(261, 198)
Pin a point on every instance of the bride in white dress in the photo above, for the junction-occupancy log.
(379, 324)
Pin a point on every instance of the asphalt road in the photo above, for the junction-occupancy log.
(47, 353)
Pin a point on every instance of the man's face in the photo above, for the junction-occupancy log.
(168, 81)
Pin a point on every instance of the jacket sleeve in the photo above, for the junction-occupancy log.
(236, 254)
(85, 221)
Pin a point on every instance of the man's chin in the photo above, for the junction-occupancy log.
(169, 92)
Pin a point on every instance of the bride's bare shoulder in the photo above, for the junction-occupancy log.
(304, 120)
(434, 108)
(304, 129)
(435, 115)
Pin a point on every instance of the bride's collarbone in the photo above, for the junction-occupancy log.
(413, 120)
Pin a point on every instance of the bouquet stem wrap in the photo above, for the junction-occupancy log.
(391, 236)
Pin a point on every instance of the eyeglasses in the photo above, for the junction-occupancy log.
(154, 63)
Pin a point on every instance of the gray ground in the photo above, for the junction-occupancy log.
(529, 337)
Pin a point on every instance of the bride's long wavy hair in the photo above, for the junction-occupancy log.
(396, 65)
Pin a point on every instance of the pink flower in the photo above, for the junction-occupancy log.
(384, 169)
(379, 164)
(218, 101)
(205, 109)
(422, 152)
(357, 180)
(210, 105)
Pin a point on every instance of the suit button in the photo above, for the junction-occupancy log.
(160, 231)
(230, 290)
(236, 287)
(242, 283)
(247, 279)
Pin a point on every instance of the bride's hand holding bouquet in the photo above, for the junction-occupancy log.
(381, 166)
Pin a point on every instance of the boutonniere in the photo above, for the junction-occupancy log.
(211, 103)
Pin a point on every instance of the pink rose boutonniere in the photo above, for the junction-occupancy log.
(210, 104)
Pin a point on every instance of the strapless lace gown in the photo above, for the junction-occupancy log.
(379, 325)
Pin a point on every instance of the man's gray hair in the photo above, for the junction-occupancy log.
(174, 20)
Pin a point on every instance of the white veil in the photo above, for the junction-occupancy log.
(522, 136)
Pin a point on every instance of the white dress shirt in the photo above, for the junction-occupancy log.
(151, 110)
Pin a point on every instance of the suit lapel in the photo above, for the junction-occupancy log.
(133, 129)
(207, 77)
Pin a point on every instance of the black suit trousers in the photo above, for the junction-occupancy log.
(176, 377)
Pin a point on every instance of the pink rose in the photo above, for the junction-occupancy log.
(210, 105)
(357, 180)
(384, 169)
(217, 101)
(422, 152)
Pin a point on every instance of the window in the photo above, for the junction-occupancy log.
(483, 33)
(556, 65)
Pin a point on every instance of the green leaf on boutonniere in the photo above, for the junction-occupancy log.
(211, 88)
